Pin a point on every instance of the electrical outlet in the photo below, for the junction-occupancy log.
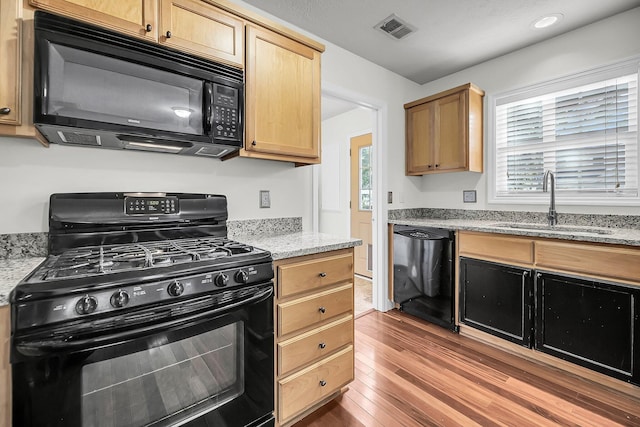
(265, 199)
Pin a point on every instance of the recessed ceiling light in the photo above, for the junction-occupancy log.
(547, 20)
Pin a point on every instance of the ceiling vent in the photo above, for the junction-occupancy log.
(395, 27)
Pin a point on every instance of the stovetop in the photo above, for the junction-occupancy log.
(92, 261)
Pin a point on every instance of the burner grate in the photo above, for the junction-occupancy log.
(136, 256)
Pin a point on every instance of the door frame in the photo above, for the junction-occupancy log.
(379, 214)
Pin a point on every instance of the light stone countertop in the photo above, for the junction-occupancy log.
(618, 236)
(12, 271)
(280, 245)
(291, 245)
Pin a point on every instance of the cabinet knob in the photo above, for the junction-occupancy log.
(323, 274)
(322, 345)
(323, 383)
(437, 165)
(254, 143)
(5, 110)
(322, 310)
(429, 166)
(148, 28)
(168, 34)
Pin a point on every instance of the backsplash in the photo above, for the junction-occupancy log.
(24, 245)
(594, 220)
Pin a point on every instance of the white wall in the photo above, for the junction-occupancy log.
(598, 44)
(334, 172)
(29, 173)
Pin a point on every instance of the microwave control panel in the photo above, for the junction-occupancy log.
(226, 114)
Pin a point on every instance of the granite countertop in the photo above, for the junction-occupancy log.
(12, 271)
(291, 245)
(619, 236)
(280, 245)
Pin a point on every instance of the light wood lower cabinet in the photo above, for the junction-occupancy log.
(5, 367)
(314, 331)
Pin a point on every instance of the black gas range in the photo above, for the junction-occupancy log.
(139, 277)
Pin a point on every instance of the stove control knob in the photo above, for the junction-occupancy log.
(222, 280)
(175, 288)
(242, 277)
(86, 305)
(119, 299)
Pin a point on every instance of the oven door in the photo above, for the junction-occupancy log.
(208, 367)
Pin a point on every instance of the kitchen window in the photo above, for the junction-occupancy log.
(582, 127)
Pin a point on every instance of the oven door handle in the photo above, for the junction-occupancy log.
(42, 347)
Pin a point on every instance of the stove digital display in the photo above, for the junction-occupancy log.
(151, 205)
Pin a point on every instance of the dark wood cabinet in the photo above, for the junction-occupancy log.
(593, 324)
(498, 299)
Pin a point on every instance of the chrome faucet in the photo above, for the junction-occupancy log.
(552, 216)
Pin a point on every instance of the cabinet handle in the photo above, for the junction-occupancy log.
(5, 110)
(322, 345)
(539, 276)
(168, 34)
(323, 274)
(437, 165)
(429, 166)
(254, 143)
(322, 310)
(323, 383)
(148, 28)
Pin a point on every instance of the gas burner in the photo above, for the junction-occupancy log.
(98, 260)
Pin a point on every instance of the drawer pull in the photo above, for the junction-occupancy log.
(323, 383)
(322, 310)
(322, 345)
(323, 274)
(5, 110)
(148, 28)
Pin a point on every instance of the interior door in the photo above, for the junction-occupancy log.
(361, 202)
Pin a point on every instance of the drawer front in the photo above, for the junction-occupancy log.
(597, 260)
(300, 391)
(313, 274)
(486, 246)
(307, 311)
(314, 344)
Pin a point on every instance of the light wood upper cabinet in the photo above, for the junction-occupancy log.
(444, 132)
(282, 98)
(16, 70)
(133, 17)
(10, 63)
(202, 29)
(192, 26)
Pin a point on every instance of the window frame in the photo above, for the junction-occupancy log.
(629, 66)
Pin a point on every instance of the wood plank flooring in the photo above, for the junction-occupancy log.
(412, 373)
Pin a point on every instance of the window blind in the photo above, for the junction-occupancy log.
(586, 134)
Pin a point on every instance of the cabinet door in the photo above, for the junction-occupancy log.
(282, 97)
(589, 323)
(133, 17)
(450, 139)
(10, 63)
(202, 29)
(497, 299)
(420, 134)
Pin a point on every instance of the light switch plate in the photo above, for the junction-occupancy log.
(265, 199)
(469, 196)
(389, 196)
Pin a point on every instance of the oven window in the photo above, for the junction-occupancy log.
(193, 375)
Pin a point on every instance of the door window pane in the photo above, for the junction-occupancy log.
(365, 185)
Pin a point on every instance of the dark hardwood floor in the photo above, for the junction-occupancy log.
(412, 373)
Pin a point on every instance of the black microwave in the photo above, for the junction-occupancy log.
(97, 88)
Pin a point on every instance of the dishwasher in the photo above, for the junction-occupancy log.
(423, 273)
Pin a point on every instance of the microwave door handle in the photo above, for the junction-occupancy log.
(37, 347)
(208, 107)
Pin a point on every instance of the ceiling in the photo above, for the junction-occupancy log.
(451, 34)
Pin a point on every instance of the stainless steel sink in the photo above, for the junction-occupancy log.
(554, 228)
